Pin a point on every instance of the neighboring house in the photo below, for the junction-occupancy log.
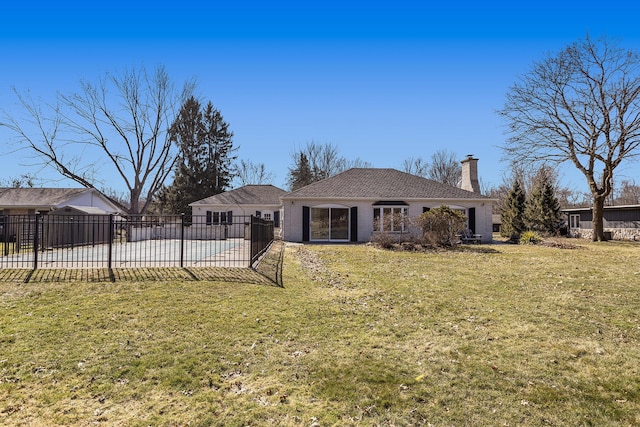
(259, 200)
(620, 222)
(16, 201)
(355, 204)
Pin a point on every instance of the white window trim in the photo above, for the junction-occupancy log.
(572, 219)
(381, 208)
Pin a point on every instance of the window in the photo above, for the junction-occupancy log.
(389, 218)
(267, 216)
(218, 217)
(574, 221)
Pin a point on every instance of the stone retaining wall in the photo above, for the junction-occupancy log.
(632, 234)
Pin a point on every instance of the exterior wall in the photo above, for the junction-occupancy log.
(238, 211)
(632, 234)
(93, 199)
(173, 231)
(292, 221)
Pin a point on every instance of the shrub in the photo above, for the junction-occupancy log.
(385, 240)
(441, 226)
(530, 238)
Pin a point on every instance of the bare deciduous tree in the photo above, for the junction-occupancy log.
(445, 167)
(629, 193)
(247, 172)
(324, 160)
(416, 166)
(114, 128)
(579, 106)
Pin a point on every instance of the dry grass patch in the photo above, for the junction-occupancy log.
(497, 335)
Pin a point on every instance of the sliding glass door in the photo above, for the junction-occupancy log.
(330, 224)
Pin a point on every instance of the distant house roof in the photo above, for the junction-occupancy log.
(247, 195)
(373, 183)
(30, 197)
(44, 198)
(589, 208)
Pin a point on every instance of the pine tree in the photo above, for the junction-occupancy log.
(204, 164)
(542, 213)
(301, 175)
(512, 214)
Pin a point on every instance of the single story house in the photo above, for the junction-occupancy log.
(18, 204)
(262, 201)
(353, 205)
(620, 222)
(24, 201)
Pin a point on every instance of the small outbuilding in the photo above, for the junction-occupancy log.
(77, 225)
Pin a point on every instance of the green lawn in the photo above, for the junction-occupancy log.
(486, 335)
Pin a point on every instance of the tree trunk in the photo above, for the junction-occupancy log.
(598, 219)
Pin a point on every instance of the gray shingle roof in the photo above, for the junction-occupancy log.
(247, 195)
(373, 183)
(37, 197)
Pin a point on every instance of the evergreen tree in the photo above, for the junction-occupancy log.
(512, 213)
(542, 213)
(204, 164)
(301, 174)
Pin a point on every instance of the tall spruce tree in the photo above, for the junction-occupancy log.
(542, 213)
(204, 164)
(512, 213)
(301, 174)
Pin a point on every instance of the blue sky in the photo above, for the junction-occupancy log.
(383, 81)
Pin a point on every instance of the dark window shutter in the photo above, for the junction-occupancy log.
(258, 214)
(472, 220)
(306, 219)
(354, 224)
(230, 217)
(276, 219)
(209, 217)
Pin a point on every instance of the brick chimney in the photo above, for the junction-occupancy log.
(470, 174)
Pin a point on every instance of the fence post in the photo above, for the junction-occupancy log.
(5, 232)
(182, 240)
(111, 235)
(36, 241)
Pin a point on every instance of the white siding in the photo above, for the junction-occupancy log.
(92, 199)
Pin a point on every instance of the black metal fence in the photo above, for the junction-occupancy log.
(111, 241)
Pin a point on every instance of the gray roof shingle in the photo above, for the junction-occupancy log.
(247, 195)
(38, 197)
(374, 183)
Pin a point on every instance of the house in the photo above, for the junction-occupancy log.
(17, 205)
(620, 222)
(21, 201)
(262, 201)
(353, 205)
